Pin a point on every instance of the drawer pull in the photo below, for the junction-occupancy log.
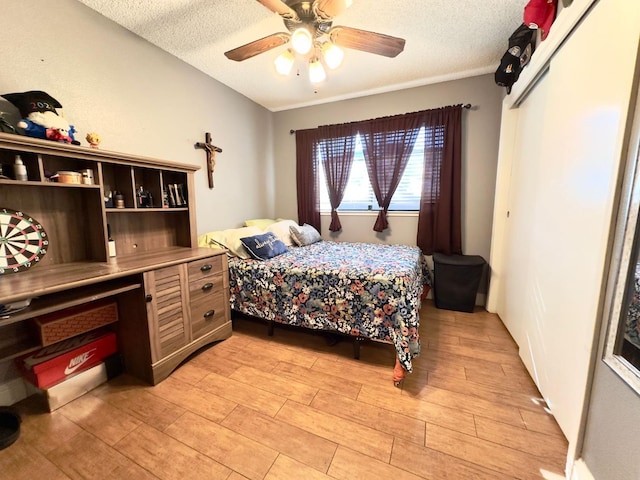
(207, 286)
(206, 267)
(209, 314)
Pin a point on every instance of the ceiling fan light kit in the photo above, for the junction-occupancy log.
(316, 71)
(310, 24)
(284, 62)
(301, 40)
(332, 54)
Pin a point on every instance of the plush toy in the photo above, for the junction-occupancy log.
(48, 125)
(40, 118)
(93, 139)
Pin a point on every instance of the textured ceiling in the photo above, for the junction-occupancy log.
(445, 39)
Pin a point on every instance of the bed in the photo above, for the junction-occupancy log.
(370, 291)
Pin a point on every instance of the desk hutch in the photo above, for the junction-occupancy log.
(172, 298)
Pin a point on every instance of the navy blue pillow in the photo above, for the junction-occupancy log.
(264, 246)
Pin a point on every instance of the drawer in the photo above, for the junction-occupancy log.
(207, 314)
(205, 286)
(205, 267)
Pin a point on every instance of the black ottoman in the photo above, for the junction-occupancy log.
(456, 279)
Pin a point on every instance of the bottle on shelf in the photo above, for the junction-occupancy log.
(112, 243)
(119, 199)
(19, 169)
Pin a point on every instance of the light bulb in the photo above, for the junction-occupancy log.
(302, 41)
(316, 71)
(284, 62)
(333, 55)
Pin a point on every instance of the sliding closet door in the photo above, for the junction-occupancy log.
(564, 168)
(519, 296)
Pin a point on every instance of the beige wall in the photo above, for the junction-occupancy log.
(141, 100)
(480, 153)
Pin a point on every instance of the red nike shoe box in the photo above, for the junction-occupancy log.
(52, 364)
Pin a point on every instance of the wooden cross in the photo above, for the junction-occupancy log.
(211, 155)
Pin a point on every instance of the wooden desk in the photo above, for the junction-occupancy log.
(167, 306)
(148, 352)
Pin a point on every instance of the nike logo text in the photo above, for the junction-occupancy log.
(77, 362)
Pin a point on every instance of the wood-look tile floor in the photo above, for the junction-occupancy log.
(294, 407)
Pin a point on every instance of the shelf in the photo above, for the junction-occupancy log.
(23, 143)
(18, 349)
(144, 209)
(70, 298)
(37, 183)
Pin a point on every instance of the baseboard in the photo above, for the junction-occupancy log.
(12, 391)
(580, 471)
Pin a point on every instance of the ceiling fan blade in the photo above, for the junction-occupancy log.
(366, 41)
(257, 47)
(281, 8)
(327, 9)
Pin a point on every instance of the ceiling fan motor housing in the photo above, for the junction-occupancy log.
(308, 19)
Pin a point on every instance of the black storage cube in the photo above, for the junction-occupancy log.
(456, 280)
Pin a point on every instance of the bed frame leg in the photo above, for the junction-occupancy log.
(270, 328)
(356, 347)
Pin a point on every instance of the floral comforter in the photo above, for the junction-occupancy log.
(359, 289)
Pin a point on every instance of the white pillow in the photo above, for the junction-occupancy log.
(305, 235)
(231, 240)
(282, 230)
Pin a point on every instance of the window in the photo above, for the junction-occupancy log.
(440, 143)
(359, 195)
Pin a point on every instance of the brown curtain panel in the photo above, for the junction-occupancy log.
(387, 144)
(335, 149)
(439, 220)
(307, 178)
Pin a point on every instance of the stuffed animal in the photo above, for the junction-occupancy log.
(93, 139)
(40, 118)
(48, 125)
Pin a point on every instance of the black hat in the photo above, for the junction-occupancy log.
(521, 47)
(33, 101)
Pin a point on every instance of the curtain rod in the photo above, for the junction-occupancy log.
(467, 106)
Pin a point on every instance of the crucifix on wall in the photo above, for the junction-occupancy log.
(211, 155)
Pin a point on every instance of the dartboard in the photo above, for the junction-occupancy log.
(23, 241)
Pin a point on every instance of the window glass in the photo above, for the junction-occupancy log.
(359, 195)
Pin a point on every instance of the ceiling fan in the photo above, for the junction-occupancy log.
(310, 30)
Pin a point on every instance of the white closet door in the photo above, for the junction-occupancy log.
(521, 300)
(565, 164)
